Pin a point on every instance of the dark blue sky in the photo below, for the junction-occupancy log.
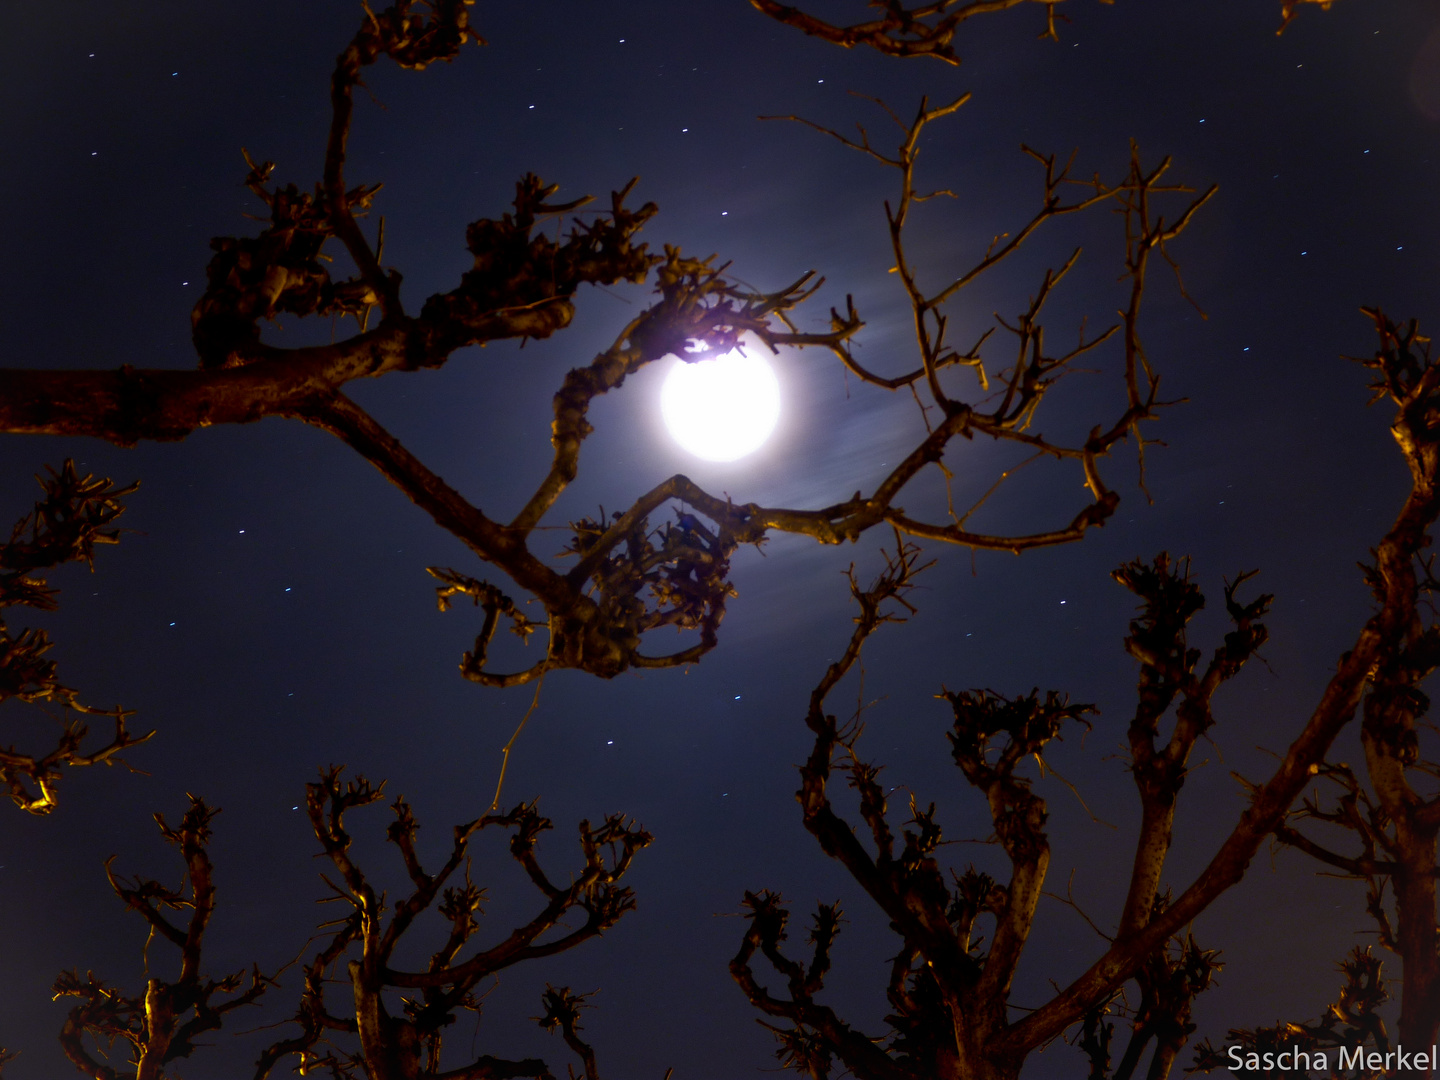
(270, 612)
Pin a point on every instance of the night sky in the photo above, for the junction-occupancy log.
(269, 613)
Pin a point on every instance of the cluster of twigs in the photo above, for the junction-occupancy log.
(76, 515)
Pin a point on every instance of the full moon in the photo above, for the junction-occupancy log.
(721, 409)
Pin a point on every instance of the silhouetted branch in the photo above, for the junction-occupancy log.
(409, 1045)
(562, 1012)
(928, 29)
(1167, 673)
(162, 1024)
(902, 31)
(77, 514)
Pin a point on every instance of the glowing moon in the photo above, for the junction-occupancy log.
(721, 409)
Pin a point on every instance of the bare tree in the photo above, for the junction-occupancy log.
(162, 1024)
(950, 992)
(628, 576)
(950, 989)
(77, 514)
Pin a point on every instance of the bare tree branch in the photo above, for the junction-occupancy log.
(393, 1046)
(162, 1024)
(922, 30)
(77, 514)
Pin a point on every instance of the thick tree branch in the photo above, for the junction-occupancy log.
(1410, 379)
(922, 30)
